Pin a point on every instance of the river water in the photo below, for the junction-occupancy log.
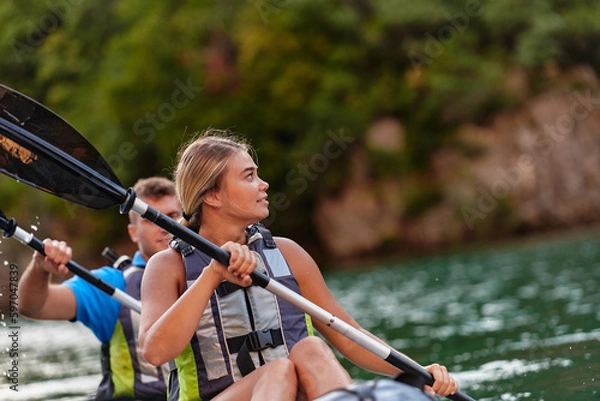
(518, 322)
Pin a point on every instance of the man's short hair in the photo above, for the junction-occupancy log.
(153, 188)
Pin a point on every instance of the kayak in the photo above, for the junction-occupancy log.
(377, 390)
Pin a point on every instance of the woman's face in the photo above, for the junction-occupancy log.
(243, 195)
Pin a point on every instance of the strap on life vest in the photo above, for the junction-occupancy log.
(182, 247)
(226, 288)
(186, 249)
(266, 235)
(251, 342)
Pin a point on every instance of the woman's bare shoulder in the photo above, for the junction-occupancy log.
(299, 260)
(166, 262)
(286, 244)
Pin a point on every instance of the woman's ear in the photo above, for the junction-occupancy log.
(213, 198)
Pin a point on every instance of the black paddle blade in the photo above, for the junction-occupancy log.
(22, 121)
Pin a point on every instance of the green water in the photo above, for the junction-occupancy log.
(518, 323)
(512, 323)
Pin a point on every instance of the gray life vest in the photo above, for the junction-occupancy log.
(241, 328)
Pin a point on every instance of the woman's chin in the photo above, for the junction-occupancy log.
(264, 215)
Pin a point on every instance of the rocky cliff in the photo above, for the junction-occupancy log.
(530, 169)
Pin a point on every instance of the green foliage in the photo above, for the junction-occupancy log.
(419, 200)
(140, 80)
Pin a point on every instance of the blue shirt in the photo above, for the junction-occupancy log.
(95, 309)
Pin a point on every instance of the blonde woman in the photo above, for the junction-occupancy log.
(231, 340)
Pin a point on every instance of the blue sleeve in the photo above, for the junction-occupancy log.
(96, 309)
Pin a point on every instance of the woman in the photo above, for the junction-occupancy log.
(245, 343)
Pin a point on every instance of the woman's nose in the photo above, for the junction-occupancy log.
(264, 185)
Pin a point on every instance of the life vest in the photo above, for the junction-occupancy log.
(125, 373)
(241, 328)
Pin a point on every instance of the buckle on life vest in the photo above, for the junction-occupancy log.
(253, 341)
(256, 341)
(259, 339)
(182, 247)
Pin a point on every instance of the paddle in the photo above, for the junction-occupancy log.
(25, 125)
(11, 229)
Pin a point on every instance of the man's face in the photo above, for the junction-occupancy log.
(149, 237)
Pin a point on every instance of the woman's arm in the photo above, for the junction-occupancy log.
(313, 287)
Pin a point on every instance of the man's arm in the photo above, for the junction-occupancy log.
(38, 297)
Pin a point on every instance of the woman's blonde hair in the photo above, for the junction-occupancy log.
(201, 165)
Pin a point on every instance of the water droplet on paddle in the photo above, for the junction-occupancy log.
(34, 227)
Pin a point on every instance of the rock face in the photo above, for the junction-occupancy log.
(529, 169)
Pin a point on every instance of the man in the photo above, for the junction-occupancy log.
(126, 375)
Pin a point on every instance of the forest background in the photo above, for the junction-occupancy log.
(384, 127)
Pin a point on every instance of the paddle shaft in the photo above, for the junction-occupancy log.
(35, 243)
